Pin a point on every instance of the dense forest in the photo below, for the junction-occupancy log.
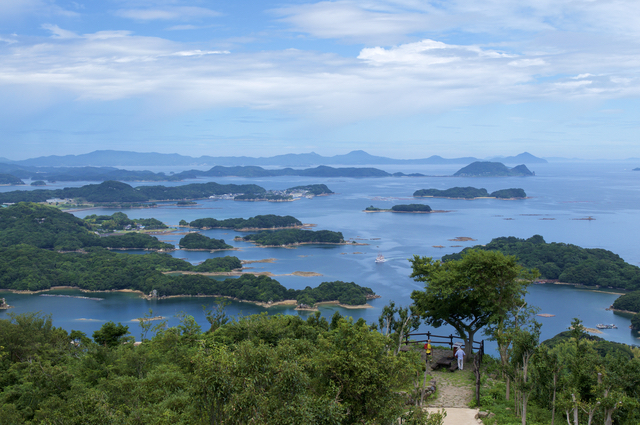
(411, 208)
(49, 228)
(628, 302)
(25, 267)
(268, 221)
(199, 241)
(492, 169)
(114, 191)
(294, 236)
(31, 236)
(312, 189)
(567, 263)
(120, 221)
(255, 369)
(470, 193)
(8, 179)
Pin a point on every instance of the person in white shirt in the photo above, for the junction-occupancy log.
(460, 356)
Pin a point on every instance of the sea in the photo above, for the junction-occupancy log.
(589, 204)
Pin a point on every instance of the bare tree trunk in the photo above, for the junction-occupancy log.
(553, 402)
(476, 371)
(424, 387)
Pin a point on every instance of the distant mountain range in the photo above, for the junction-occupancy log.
(111, 158)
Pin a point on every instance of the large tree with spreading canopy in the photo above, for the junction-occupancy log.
(471, 292)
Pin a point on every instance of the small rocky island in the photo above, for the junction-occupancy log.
(470, 193)
(408, 208)
(493, 169)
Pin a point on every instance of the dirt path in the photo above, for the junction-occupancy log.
(455, 392)
(455, 389)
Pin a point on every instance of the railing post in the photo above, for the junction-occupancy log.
(451, 341)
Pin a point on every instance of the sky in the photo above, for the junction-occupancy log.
(396, 78)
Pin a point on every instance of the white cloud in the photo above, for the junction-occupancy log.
(168, 13)
(12, 9)
(528, 62)
(58, 32)
(388, 21)
(428, 75)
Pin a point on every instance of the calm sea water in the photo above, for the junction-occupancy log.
(561, 196)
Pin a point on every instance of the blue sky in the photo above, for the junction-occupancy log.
(398, 78)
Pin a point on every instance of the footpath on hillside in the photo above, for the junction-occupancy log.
(455, 390)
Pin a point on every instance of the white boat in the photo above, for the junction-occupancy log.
(606, 326)
(380, 258)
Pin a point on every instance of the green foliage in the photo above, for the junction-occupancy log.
(269, 221)
(454, 192)
(313, 189)
(251, 196)
(49, 228)
(294, 236)
(118, 192)
(200, 241)
(469, 293)
(492, 169)
(38, 183)
(565, 262)
(509, 193)
(411, 208)
(628, 302)
(598, 344)
(219, 264)
(8, 179)
(635, 322)
(258, 369)
(111, 335)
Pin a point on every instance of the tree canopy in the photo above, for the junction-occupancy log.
(468, 293)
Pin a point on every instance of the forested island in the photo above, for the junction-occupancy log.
(566, 263)
(118, 192)
(49, 228)
(197, 241)
(629, 303)
(293, 237)
(470, 193)
(261, 222)
(10, 180)
(42, 247)
(27, 268)
(255, 171)
(120, 221)
(402, 208)
(492, 169)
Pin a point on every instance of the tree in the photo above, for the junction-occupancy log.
(504, 330)
(110, 334)
(469, 293)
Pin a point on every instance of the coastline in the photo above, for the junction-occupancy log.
(408, 212)
(240, 273)
(471, 199)
(295, 245)
(255, 229)
(147, 297)
(615, 310)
